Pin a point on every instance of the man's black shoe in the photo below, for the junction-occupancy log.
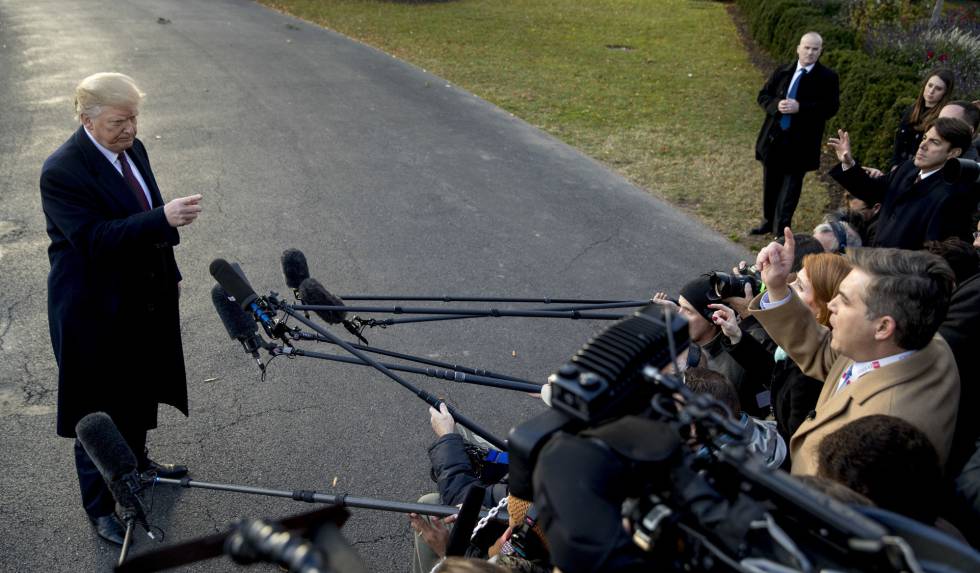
(109, 528)
(164, 470)
(762, 229)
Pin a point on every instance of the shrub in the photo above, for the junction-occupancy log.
(863, 15)
(922, 48)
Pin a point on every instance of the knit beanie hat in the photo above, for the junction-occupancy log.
(696, 292)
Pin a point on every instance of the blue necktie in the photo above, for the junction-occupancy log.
(785, 120)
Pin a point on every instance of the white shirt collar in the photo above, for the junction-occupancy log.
(924, 174)
(112, 156)
(807, 68)
(859, 369)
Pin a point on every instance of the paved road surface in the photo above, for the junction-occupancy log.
(389, 179)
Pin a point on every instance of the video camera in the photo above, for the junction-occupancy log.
(611, 452)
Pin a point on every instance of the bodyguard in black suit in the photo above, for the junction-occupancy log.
(798, 100)
(917, 205)
(114, 283)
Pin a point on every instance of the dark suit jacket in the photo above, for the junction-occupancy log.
(961, 329)
(911, 213)
(112, 289)
(819, 98)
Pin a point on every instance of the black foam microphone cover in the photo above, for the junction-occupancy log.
(294, 267)
(114, 459)
(313, 293)
(105, 445)
(239, 325)
(233, 281)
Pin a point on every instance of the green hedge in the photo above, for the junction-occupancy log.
(873, 93)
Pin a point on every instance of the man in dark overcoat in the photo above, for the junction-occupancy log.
(917, 204)
(114, 284)
(798, 100)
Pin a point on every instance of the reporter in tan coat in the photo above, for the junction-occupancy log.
(883, 355)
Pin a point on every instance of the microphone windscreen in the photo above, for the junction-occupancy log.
(238, 323)
(313, 293)
(294, 267)
(233, 281)
(106, 446)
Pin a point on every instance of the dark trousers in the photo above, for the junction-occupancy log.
(96, 497)
(781, 189)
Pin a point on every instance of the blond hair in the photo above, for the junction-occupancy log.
(105, 89)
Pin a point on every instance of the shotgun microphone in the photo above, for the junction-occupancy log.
(312, 292)
(116, 463)
(238, 324)
(294, 268)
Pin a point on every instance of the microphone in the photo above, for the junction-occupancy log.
(294, 268)
(233, 280)
(312, 292)
(116, 463)
(239, 325)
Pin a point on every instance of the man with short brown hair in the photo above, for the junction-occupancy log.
(917, 205)
(882, 356)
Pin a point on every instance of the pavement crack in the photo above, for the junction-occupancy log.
(6, 322)
(588, 248)
(242, 418)
(35, 393)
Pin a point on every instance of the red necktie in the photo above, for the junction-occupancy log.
(133, 183)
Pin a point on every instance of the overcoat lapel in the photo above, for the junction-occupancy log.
(111, 184)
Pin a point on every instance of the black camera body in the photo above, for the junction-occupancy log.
(610, 449)
(602, 381)
(724, 285)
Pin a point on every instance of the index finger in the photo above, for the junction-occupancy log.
(193, 198)
(790, 240)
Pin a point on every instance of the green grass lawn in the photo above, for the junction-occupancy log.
(662, 91)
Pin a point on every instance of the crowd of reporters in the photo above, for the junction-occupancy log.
(847, 365)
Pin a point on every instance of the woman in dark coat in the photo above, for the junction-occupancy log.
(792, 394)
(937, 91)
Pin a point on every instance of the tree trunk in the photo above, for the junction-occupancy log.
(937, 11)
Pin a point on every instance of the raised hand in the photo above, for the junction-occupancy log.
(842, 147)
(775, 262)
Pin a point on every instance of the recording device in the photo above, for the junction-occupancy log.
(117, 465)
(596, 460)
(602, 381)
(304, 543)
(239, 325)
(724, 285)
(234, 282)
(959, 170)
(312, 292)
(294, 268)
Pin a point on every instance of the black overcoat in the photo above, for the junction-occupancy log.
(819, 97)
(112, 290)
(911, 213)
